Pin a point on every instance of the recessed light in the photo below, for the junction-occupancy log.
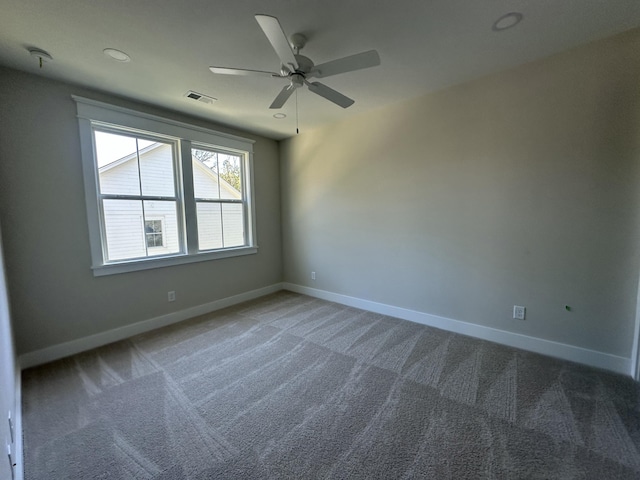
(118, 55)
(507, 21)
(279, 115)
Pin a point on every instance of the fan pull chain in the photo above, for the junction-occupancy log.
(297, 131)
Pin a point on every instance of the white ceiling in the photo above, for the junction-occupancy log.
(424, 45)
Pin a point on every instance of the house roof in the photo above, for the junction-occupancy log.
(126, 158)
(204, 168)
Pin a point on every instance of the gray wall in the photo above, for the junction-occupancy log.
(7, 372)
(53, 294)
(518, 188)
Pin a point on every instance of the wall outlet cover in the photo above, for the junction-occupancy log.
(519, 312)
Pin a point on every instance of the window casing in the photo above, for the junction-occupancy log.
(151, 203)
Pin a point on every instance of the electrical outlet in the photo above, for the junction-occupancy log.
(171, 296)
(313, 275)
(518, 312)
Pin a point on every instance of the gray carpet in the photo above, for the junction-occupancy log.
(292, 387)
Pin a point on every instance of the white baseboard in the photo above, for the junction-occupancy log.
(534, 344)
(564, 351)
(61, 350)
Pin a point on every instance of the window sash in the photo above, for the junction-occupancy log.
(176, 198)
(111, 196)
(245, 233)
(208, 200)
(244, 181)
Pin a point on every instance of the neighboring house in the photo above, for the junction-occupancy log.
(135, 228)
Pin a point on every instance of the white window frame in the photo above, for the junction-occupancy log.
(92, 114)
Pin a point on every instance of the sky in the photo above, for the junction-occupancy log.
(111, 147)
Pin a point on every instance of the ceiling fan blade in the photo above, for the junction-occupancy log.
(276, 36)
(283, 96)
(243, 71)
(330, 94)
(346, 64)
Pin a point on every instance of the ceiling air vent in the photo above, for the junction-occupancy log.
(199, 97)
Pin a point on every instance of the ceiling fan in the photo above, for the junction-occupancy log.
(298, 69)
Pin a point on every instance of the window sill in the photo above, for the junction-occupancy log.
(148, 264)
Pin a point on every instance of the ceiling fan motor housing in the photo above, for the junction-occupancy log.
(297, 76)
(304, 64)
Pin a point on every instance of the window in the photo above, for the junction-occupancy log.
(153, 233)
(136, 178)
(161, 192)
(217, 185)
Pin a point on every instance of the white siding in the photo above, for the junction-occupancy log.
(156, 174)
(156, 170)
(124, 227)
(124, 222)
(233, 225)
(218, 229)
(219, 225)
(121, 179)
(205, 182)
(209, 226)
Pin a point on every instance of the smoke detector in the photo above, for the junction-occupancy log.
(40, 54)
(199, 97)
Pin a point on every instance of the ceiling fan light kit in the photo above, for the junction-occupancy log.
(298, 69)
